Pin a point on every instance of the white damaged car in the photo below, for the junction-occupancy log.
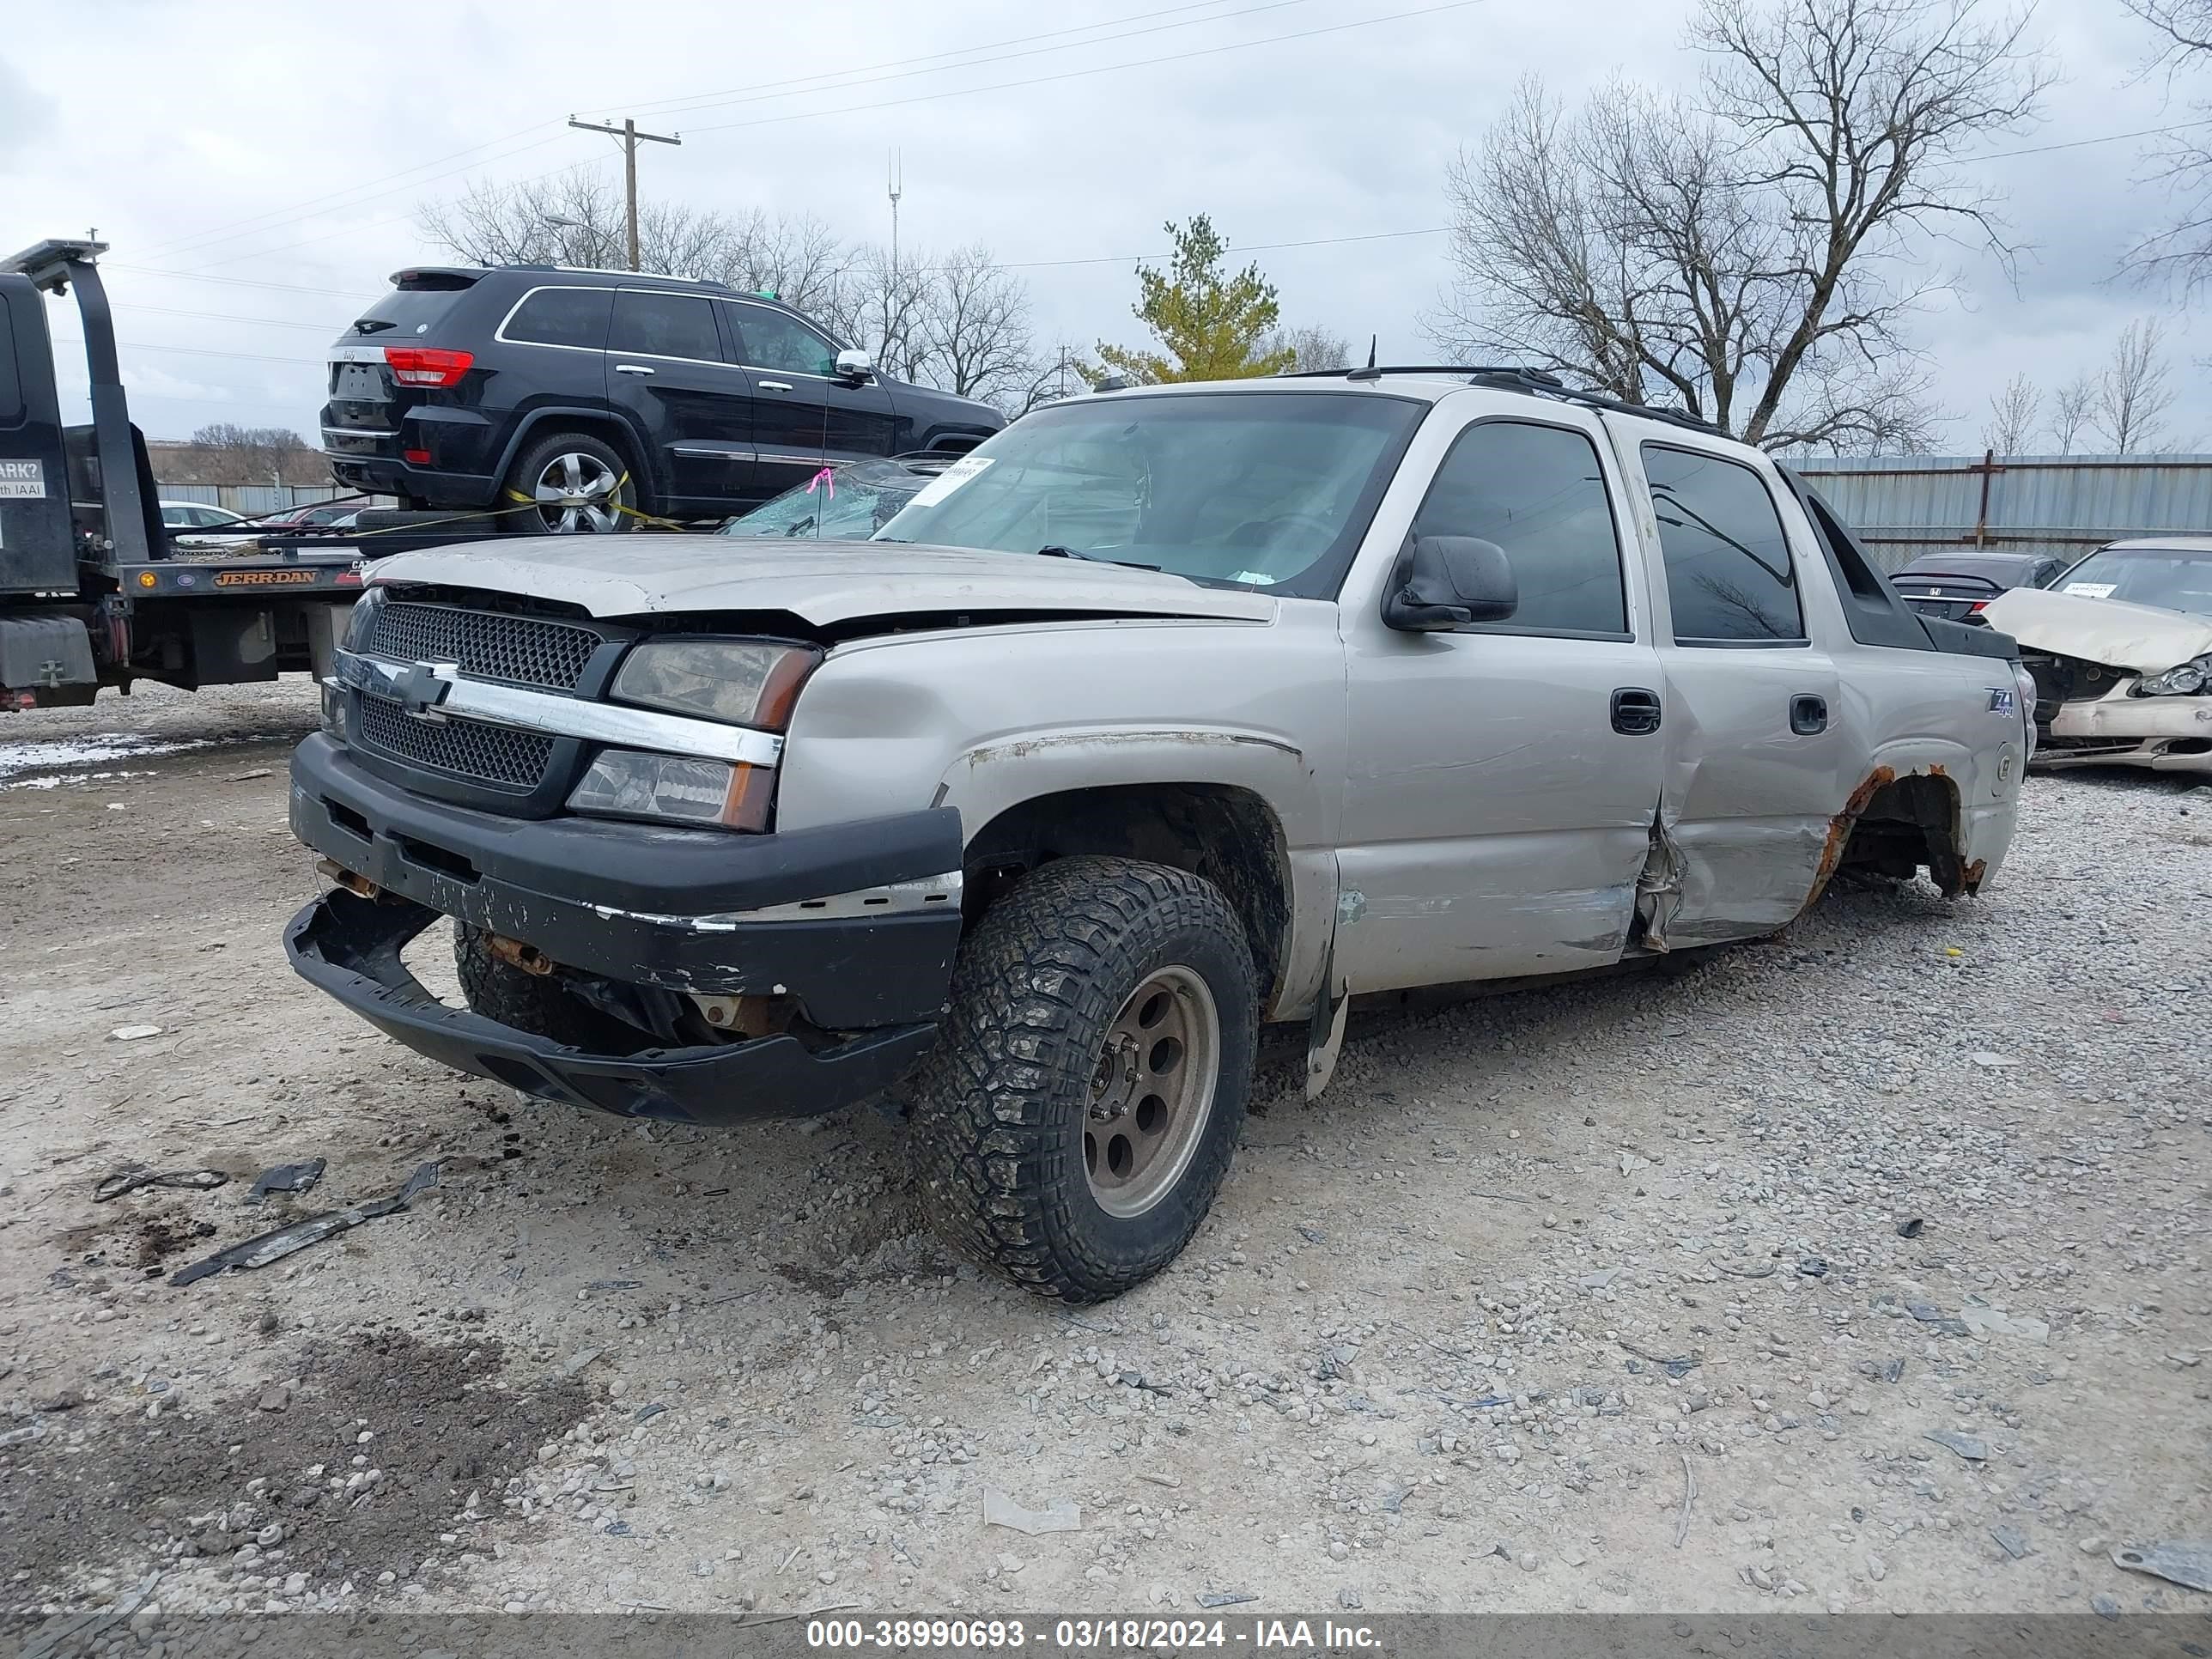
(2121, 650)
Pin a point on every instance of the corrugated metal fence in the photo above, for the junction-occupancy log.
(1903, 506)
(252, 500)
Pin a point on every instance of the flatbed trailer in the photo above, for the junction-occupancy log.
(94, 590)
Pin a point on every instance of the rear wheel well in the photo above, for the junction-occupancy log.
(1907, 823)
(609, 431)
(1228, 836)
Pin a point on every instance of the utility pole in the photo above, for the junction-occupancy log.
(630, 135)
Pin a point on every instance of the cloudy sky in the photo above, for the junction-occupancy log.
(257, 168)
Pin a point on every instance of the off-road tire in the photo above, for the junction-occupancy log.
(1001, 1103)
(536, 1003)
(541, 452)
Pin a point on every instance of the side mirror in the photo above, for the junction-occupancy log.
(854, 366)
(1445, 582)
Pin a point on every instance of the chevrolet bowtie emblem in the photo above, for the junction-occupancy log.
(423, 686)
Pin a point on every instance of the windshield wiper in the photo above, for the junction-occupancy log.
(1055, 550)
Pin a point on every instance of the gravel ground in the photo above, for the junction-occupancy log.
(1862, 1269)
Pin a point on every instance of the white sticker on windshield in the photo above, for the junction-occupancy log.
(967, 467)
(2091, 590)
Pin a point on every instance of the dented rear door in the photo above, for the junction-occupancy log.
(1760, 743)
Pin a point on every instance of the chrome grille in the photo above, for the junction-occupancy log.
(467, 749)
(486, 644)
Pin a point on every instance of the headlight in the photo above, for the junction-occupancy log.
(334, 711)
(362, 618)
(745, 682)
(627, 783)
(2182, 680)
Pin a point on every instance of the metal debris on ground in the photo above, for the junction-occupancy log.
(265, 1247)
(1678, 1365)
(78, 1632)
(287, 1178)
(129, 1180)
(2187, 1564)
(1934, 1317)
(1765, 1271)
(1689, 1497)
(1973, 1450)
(1061, 1514)
(647, 1413)
(1991, 1321)
(1225, 1598)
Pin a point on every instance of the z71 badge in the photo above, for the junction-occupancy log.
(2003, 703)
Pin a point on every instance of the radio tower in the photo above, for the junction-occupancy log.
(894, 187)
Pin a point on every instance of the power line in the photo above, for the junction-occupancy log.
(753, 95)
(221, 317)
(331, 200)
(197, 351)
(690, 100)
(1102, 69)
(236, 281)
(2078, 143)
(273, 217)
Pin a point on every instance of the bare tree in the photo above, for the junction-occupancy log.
(976, 328)
(1754, 254)
(2178, 257)
(572, 218)
(2013, 415)
(252, 454)
(1311, 345)
(2070, 410)
(799, 260)
(2132, 396)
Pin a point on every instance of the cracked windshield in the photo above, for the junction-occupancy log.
(1255, 489)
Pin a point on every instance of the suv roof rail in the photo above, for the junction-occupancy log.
(1513, 377)
(1550, 385)
(1371, 372)
(607, 270)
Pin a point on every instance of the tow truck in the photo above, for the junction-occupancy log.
(94, 590)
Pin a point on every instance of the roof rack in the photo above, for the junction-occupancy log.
(1508, 377)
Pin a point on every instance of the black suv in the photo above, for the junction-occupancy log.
(575, 400)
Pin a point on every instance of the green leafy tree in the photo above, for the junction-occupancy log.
(1212, 326)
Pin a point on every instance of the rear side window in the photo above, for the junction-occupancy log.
(772, 340)
(562, 317)
(1729, 580)
(1538, 493)
(664, 326)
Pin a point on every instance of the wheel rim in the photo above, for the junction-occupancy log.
(1153, 1091)
(577, 493)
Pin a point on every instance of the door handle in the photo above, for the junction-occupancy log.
(632, 369)
(774, 386)
(1635, 711)
(1809, 714)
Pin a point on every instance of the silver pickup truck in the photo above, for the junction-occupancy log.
(1164, 713)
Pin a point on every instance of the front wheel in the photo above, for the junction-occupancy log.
(1080, 1108)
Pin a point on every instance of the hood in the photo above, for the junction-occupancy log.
(2142, 637)
(820, 582)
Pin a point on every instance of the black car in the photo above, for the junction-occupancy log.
(1958, 586)
(578, 401)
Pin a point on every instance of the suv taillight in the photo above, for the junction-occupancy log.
(427, 365)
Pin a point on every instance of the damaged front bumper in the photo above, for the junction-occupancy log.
(2165, 734)
(350, 947)
(854, 925)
